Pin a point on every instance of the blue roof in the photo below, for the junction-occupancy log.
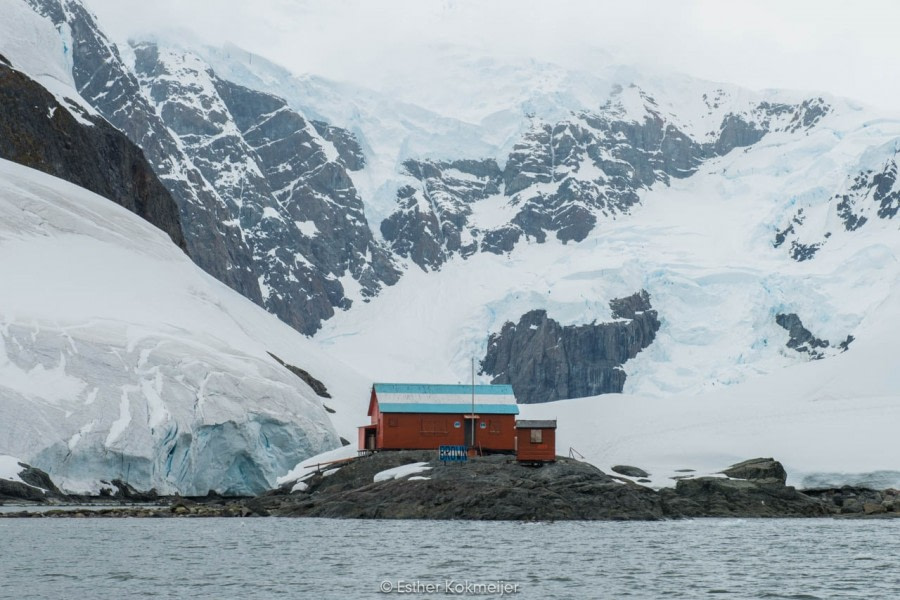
(431, 388)
(407, 407)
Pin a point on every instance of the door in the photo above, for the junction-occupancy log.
(469, 428)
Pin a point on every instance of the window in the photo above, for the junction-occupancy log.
(434, 426)
(392, 421)
(494, 425)
(537, 436)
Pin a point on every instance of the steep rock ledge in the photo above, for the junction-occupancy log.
(545, 361)
(38, 132)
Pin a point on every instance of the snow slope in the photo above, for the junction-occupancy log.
(34, 46)
(121, 359)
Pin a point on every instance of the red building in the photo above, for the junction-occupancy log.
(407, 416)
(536, 441)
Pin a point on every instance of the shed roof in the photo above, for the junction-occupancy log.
(545, 424)
(442, 398)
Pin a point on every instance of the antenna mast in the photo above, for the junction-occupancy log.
(473, 401)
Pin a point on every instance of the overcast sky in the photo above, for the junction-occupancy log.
(846, 48)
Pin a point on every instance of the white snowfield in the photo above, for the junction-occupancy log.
(119, 358)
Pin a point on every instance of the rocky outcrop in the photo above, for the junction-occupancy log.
(758, 469)
(496, 487)
(317, 386)
(103, 79)
(486, 488)
(802, 340)
(38, 132)
(432, 220)
(285, 182)
(717, 497)
(858, 501)
(35, 486)
(546, 361)
(629, 471)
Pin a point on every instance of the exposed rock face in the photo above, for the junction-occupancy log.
(285, 184)
(430, 224)
(715, 497)
(872, 194)
(629, 471)
(545, 361)
(265, 196)
(495, 487)
(859, 501)
(102, 78)
(758, 469)
(802, 340)
(317, 386)
(486, 488)
(37, 486)
(36, 131)
(567, 176)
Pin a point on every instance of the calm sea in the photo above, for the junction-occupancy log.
(319, 558)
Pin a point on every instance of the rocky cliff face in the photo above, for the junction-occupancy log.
(105, 81)
(803, 341)
(265, 196)
(565, 177)
(286, 182)
(36, 131)
(546, 361)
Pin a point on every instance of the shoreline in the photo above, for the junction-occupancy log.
(414, 485)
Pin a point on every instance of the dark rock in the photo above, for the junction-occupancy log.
(317, 386)
(716, 497)
(485, 488)
(630, 471)
(758, 469)
(431, 220)
(546, 361)
(15, 490)
(298, 212)
(37, 486)
(802, 340)
(345, 143)
(38, 132)
(124, 491)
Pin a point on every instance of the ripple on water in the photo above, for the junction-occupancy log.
(316, 558)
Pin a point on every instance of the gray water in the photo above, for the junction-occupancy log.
(320, 558)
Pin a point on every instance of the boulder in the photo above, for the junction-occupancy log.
(758, 469)
(628, 471)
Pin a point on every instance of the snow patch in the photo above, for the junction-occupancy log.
(400, 472)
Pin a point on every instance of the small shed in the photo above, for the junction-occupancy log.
(536, 441)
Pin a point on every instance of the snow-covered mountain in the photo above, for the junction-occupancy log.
(577, 233)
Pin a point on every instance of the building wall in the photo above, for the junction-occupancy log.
(528, 450)
(424, 431)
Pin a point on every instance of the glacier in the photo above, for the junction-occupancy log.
(119, 358)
